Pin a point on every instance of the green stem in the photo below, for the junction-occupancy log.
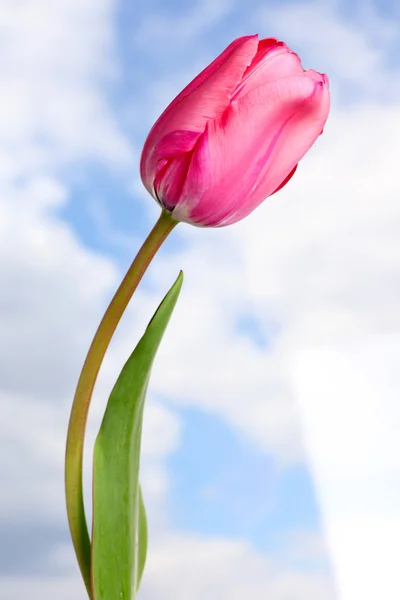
(84, 391)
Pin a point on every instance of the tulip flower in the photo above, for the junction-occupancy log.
(235, 134)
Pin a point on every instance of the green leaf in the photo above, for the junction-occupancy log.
(119, 536)
(142, 536)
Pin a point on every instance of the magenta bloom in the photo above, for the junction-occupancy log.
(235, 134)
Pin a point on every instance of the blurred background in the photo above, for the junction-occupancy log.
(271, 454)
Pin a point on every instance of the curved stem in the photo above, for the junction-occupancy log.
(84, 391)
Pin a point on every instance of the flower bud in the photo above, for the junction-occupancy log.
(235, 134)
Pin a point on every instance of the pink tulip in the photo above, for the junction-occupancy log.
(235, 134)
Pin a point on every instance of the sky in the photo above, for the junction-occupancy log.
(270, 462)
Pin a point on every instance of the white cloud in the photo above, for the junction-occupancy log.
(56, 60)
(52, 283)
(13, 588)
(196, 567)
(348, 394)
(182, 566)
(302, 545)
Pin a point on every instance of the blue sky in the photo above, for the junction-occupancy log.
(270, 443)
(225, 486)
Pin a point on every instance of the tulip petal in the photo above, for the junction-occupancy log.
(172, 145)
(176, 143)
(205, 98)
(286, 180)
(170, 180)
(270, 63)
(197, 183)
(230, 65)
(252, 148)
(297, 136)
